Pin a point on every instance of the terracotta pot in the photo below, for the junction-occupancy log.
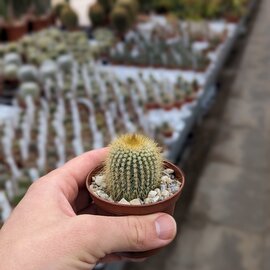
(41, 23)
(167, 107)
(232, 18)
(52, 18)
(190, 99)
(183, 68)
(168, 134)
(178, 104)
(11, 84)
(16, 31)
(107, 208)
(152, 106)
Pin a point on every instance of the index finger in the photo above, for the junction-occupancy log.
(79, 167)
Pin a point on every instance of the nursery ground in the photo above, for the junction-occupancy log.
(228, 222)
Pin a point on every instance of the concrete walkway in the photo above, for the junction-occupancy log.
(229, 223)
(228, 226)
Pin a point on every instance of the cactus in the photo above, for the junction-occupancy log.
(48, 70)
(163, 6)
(11, 72)
(133, 167)
(57, 9)
(29, 89)
(212, 9)
(69, 18)
(3, 9)
(131, 6)
(13, 58)
(28, 73)
(65, 62)
(41, 6)
(146, 6)
(106, 4)
(121, 20)
(97, 14)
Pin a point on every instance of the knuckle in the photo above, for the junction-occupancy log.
(138, 232)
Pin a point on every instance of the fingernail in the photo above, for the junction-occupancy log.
(165, 227)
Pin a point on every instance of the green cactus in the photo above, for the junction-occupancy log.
(57, 9)
(121, 20)
(69, 18)
(41, 6)
(29, 89)
(146, 6)
(212, 9)
(106, 4)
(3, 9)
(11, 72)
(97, 14)
(131, 6)
(133, 167)
(28, 73)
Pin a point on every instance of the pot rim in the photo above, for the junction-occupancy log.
(165, 162)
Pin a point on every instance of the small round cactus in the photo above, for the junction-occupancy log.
(69, 18)
(133, 167)
(29, 89)
(106, 4)
(48, 69)
(11, 72)
(58, 9)
(97, 14)
(12, 58)
(65, 62)
(121, 20)
(131, 6)
(28, 73)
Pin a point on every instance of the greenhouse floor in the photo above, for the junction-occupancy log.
(228, 223)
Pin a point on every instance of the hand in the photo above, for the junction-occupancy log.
(47, 231)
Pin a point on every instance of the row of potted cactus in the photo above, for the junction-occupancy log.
(120, 14)
(68, 103)
(20, 17)
(232, 10)
(167, 45)
(74, 109)
(36, 56)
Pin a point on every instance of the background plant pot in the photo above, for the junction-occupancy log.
(16, 31)
(107, 208)
(11, 84)
(42, 22)
(39, 23)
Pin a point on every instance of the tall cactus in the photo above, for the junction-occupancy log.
(69, 18)
(121, 20)
(133, 167)
(41, 6)
(131, 6)
(3, 9)
(97, 14)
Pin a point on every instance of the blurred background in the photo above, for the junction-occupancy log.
(192, 74)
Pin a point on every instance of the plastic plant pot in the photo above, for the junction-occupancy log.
(107, 208)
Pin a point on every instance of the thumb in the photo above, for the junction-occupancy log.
(129, 233)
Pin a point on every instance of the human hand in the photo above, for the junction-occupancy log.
(48, 230)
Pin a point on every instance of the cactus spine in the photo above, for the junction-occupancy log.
(133, 167)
